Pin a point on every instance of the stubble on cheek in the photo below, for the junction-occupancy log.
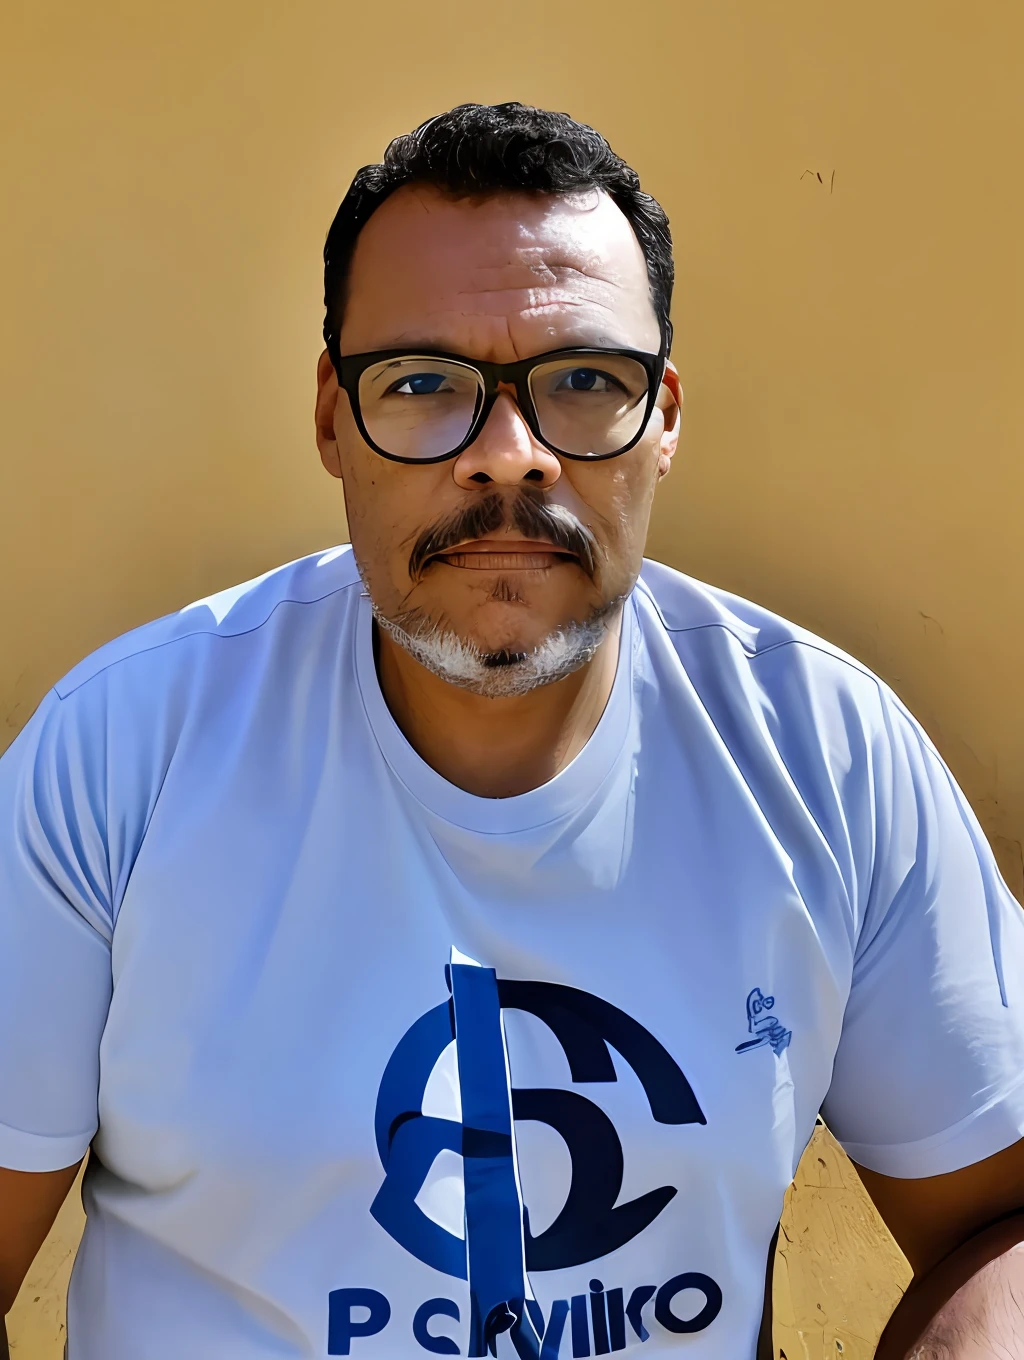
(379, 560)
(376, 527)
(623, 528)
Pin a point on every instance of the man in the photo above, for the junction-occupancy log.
(446, 945)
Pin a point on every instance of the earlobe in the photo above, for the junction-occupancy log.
(670, 402)
(327, 393)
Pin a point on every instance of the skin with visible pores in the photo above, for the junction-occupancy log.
(500, 278)
(984, 1320)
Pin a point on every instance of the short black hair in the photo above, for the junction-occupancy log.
(480, 149)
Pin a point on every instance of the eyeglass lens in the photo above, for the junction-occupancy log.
(418, 407)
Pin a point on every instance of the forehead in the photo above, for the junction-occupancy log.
(498, 277)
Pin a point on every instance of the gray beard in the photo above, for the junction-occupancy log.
(500, 675)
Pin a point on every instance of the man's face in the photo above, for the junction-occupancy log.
(501, 279)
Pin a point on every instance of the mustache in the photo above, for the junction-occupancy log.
(529, 512)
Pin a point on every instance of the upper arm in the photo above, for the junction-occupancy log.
(928, 1077)
(29, 1202)
(55, 974)
(55, 934)
(927, 1091)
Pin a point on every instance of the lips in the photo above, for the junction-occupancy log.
(548, 533)
(506, 555)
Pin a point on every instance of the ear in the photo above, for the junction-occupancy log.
(327, 396)
(670, 403)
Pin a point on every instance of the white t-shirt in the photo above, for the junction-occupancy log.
(374, 1067)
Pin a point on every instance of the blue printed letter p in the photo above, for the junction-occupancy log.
(342, 1326)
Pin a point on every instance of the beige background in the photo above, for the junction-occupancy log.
(844, 186)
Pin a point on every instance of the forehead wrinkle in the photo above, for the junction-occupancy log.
(594, 317)
(492, 294)
(490, 326)
(503, 337)
(518, 300)
(502, 315)
(560, 308)
(547, 292)
(526, 273)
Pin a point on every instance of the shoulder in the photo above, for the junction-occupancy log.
(296, 594)
(723, 641)
(769, 685)
(820, 742)
(205, 670)
(84, 777)
(685, 606)
(795, 715)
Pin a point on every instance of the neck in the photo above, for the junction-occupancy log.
(496, 748)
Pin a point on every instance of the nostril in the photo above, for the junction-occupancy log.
(534, 475)
(480, 477)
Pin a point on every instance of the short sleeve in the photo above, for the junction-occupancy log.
(55, 933)
(929, 1072)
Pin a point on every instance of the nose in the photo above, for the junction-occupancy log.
(505, 452)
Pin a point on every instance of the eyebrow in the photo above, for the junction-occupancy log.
(422, 345)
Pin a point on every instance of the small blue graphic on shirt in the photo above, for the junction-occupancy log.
(458, 1049)
(765, 1027)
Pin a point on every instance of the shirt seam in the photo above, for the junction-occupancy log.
(818, 646)
(194, 633)
(823, 648)
(47, 1137)
(753, 656)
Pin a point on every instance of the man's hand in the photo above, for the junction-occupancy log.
(960, 1233)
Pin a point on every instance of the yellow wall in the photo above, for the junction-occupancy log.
(851, 346)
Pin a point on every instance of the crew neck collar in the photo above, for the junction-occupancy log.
(569, 790)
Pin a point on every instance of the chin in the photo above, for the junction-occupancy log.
(498, 648)
(516, 635)
(500, 665)
(515, 616)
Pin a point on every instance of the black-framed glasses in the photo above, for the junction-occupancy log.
(424, 405)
